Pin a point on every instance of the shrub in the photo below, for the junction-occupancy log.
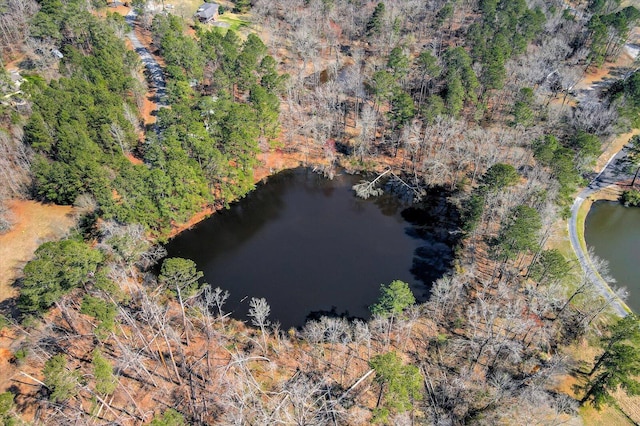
(630, 198)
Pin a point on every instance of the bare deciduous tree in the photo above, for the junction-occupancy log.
(594, 117)
(259, 311)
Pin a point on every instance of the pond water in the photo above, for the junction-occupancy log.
(614, 233)
(310, 247)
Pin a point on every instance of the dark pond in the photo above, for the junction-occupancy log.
(614, 233)
(308, 245)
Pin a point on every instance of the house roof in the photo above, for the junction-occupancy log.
(207, 10)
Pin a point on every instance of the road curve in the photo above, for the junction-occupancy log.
(155, 74)
(613, 172)
(610, 175)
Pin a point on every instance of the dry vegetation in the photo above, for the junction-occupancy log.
(34, 224)
(488, 348)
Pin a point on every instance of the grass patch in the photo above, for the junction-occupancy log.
(184, 8)
(187, 9)
(584, 353)
(626, 3)
(560, 241)
(235, 22)
(230, 21)
(580, 222)
(580, 228)
(609, 415)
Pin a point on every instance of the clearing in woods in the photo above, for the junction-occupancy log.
(35, 223)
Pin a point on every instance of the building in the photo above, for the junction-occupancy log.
(16, 79)
(207, 12)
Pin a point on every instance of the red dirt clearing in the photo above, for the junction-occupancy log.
(36, 223)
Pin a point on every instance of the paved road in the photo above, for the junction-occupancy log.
(616, 73)
(154, 70)
(614, 171)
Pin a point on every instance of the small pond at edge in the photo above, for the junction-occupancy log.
(308, 244)
(614, 233)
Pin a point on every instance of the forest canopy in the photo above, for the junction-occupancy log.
(476, 99)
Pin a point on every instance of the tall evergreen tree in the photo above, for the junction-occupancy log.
(619, 364)
(374, 26)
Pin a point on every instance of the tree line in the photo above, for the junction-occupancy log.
(223, 97)
(107, 336)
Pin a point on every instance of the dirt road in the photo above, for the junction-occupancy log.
(155, 74)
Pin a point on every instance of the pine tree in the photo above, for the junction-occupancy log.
(374, 26)
(403, 384)
(618, 366)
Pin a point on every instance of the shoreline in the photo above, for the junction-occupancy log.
(271, 163)
(582, 205)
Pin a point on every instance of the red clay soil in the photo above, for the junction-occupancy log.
(148, 109)
(148, 105)
(15, 61)
(270, 163)
(624, 60)
(133, 160)
(146, 38)
(274, 161)
(196, 218)
(36, 224)
(12, 376)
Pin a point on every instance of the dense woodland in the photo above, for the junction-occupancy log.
(476, 97)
